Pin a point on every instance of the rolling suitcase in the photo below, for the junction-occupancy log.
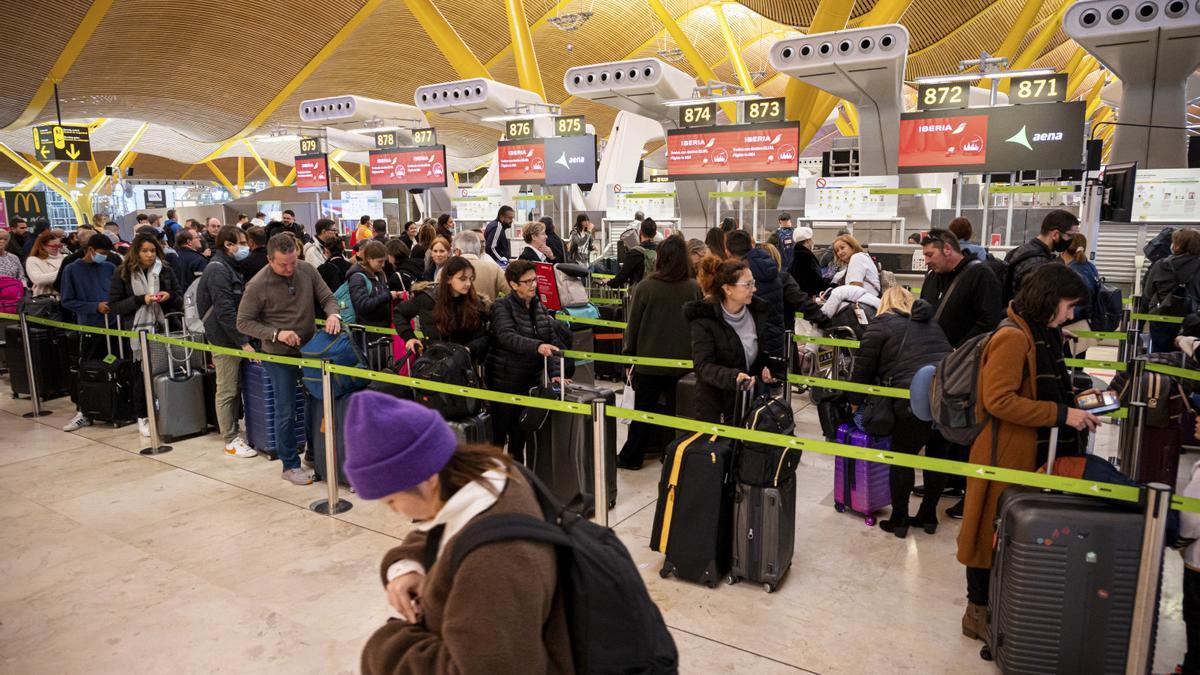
(559, 446)
(609, 341)
(693, 517)
(106, 385)
(258, 407)
(582, 341)
(46, 347)
(761, 464)
(317, 433)
(210, 397)
(474, 429)
(861, 486)
(179, 402)
(764, 527)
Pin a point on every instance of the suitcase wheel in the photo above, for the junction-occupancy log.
(666, 570)
(985, 653)
(870, 521)
(768, 588)
(712, 583)
(731, 580)
(840, 508)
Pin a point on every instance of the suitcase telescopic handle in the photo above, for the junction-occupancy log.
(562, 370)
(1053, 453)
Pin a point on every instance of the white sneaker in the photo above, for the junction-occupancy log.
(77, 422)
(144, 427)
(239, 448)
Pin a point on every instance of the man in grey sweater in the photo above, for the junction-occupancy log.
(278, 309)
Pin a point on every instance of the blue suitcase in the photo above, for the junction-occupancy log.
(258, 405)
(582, 340)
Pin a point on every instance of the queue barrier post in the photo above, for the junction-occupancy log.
(34, 396)
(332, 504)
(156, 447)
(789, 348)
(1145, 600)
(600, 474)
(1129, 453)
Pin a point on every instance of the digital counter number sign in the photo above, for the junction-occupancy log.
(518, 130)
(765, 110)
(571, 125)
(942, 96)
(1038, 89)
(309, 145)
(698, 115)
(385, 139)
(424, 138)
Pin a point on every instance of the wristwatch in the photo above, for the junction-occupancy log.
(275, 336)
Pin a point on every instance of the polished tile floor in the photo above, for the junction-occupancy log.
(193, 562)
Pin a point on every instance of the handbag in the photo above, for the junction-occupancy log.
(626, 399)
(878, 414)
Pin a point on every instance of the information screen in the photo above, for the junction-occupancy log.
(409, 167)
(522, 162)
(1001, 139)
(571, 160)
(1166, 196)
(312, 173)
(734, 152)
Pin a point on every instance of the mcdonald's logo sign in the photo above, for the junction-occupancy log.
(28, 205)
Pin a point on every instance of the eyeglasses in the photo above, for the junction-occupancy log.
(526, 282)
(746, 284)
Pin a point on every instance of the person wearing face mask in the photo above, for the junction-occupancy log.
(1058, 228)
(316, 252)
(85, 294)
(143, 292)
(217, 300)
(1025, 388)
(44, 261)
(190, 263)
(449, 311)
(369, 294)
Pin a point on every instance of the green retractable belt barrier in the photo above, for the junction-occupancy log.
(1092, 363)
(1155, 318)
(682, 364)
(827, 341)
(585, 321)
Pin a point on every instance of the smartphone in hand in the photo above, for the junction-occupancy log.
(1098, 402)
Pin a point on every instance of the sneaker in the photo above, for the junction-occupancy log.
(298, 476)
(77, 422)
(144, 427)
(238, 448)
(956, 511)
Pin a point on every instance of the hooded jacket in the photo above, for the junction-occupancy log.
(1166, 275)
(718, 355)
(371, 302)
(887, 357)
(220, 289)
(421, 306)
(768, 286)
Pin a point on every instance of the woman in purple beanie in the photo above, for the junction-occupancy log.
(498, 612)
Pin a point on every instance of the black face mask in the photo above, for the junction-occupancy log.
(1061, 245)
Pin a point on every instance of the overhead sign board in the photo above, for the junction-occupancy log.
(310, 145)
(570, 160)
(570, 125)
(521, 162)
(518, 130)
(409, 167)
(1166, 196)
(312, 173)
(424, 138)
(25, 204)
(943, 96)
(858, 197)
(386, 139)
(987, 140)
(763, 110)
(655, 200)
(358, 203)
(698, 115)
(734, 152)
(155, 198)
(62, 142)
(1038, 89)
(478, 203)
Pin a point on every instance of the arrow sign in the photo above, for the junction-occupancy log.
(72, 152)
(63, 143)
(43, 151)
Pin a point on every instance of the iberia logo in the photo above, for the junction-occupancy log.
(787, 153)
(972, 146)
(720, 156)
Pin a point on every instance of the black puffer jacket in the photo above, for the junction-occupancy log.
(796, 301)
(371, 301)
(768, 286)
(718, 355)
(513, 363)
(421, 306)
(1166, 275)
(880, 358)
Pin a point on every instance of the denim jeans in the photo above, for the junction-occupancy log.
(283, 382)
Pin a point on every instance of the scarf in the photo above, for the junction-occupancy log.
(1053, 384)
(148, 316)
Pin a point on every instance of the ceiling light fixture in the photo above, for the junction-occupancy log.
(714, 92)
(570, 22)
(525, 111)
(997, 75)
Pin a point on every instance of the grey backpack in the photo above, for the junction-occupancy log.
(954, 392)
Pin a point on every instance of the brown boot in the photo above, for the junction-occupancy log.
(974, 622)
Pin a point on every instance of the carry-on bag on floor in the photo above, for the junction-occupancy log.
(859, 485)
(447, 363)
(693, 517)
(474, 429)
(106, 385)
(582, 341)
(179, 400)
(762, 464)
(764, 532)
(258, 407)
(609, 341)
(559, 446)
(316, 432)
(162, 355)
(48, 349)
(210, 397)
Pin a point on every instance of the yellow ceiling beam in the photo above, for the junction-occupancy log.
(1019, 29)
(1037, 45)
(241, 164)
(261, 164)
(333, 164)
(1075, 60)
(446, 39)
(804, 102)
(1093, 97)
(541, 21)
(529, 75)
(189, 171)
(97, 181)
(689, 50)
(291, 177)
(50, 181)
(72, 175)
(735, 52)
(32, 180)
(92, 169)
(362, 174)
(309, 68)
(216, 171)
(1075, 80)
(62, 65)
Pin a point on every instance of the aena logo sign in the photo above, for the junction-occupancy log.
(1022, 139)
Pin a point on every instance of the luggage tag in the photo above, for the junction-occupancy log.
(110, 359)
(862, 316)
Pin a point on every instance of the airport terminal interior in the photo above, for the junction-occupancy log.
(299, 299)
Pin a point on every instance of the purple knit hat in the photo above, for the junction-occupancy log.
(392, 444)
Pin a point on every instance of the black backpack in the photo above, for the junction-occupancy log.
(615, 627)
(447, 363)
(1105, 310)
(1160, 246)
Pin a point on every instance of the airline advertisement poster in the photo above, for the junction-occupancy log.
(547, 286)
(571, 160)
(522, 162)
(860, 197)
(312, 173)
(1166, 195)
(409, 167)
(1046, 136)
(734, 152)
(655, 200)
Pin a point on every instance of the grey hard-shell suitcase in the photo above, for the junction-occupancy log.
(764, 532)
(316, 433)
(179, 408)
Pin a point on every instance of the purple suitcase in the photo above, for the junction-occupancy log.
(861, 486)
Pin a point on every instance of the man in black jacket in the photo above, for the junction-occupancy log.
(633, 268)
(495, 235)
(220, 290)
(962, 289)
(256, 238)
(18, 234)
(190, 263)
(1058, 228)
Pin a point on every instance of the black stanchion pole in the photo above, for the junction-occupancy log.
(29, 372)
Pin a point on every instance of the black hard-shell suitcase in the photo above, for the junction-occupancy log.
(609, 341)
(316, 434)
(764, 532)
(559, 447)
(106, 384)
(210, 397)
(1063, 582)
(692, 520)
(48, 349)
(474, 429)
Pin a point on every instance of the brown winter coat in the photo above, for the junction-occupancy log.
(499, 613)
(1009, 393)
